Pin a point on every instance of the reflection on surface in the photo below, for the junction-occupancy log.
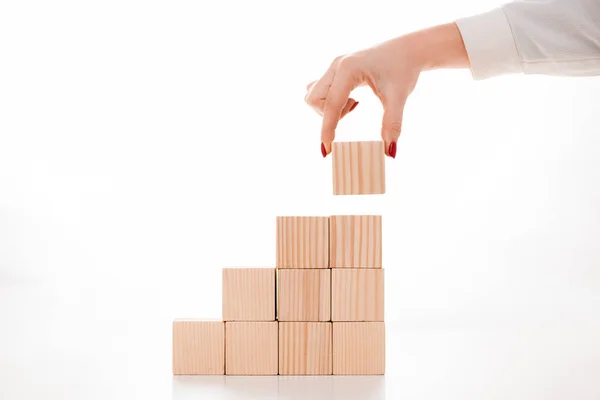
(279, 387)
(251, 387)
(196, 387)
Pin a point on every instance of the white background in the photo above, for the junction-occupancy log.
(145, 145)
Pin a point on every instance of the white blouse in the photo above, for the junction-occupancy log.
(550, 37)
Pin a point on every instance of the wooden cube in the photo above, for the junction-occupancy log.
(358, 167)
(358, 348)
(248, 294)
(251, 348)
(304, 295)
(198, 347)
(357, 295)
(355, 241)
(305, 348)
(302, 242)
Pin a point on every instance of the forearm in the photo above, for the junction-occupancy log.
(438, 47)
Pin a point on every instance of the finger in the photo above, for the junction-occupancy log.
(350, 105)
(310, 85)
(317, 93)
(391, 126)
(336, 100)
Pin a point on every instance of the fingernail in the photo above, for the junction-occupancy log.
(323, 150)
(392, 150)
(353, 106)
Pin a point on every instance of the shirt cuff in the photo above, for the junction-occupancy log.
(490, 44)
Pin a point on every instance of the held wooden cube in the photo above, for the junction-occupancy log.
(302, 242)
(305, 348)
(358, 348)
(198, 347)
(304, 295)
(357, 295)
(358, 167)
(248, 294)
(355, 241)
(251, 348)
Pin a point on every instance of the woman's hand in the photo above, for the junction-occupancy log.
(391, 69)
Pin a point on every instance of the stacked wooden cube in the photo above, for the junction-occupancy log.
(320, 311)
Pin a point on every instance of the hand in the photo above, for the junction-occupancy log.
(387, 69)
(391, 69)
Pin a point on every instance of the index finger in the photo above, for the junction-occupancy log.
(337, 97)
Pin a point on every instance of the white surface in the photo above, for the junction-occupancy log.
(58, 344)
(146, 145)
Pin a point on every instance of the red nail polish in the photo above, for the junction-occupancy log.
(392, 150)
(353, 106)
(323, 150)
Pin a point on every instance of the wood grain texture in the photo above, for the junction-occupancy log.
(358, 167)
(252, 348)
(248, 294)
(304, 295)
(305, 348)
(358, 348)
(357, 295)
(355, 241)
(302, 242)
(198, 347)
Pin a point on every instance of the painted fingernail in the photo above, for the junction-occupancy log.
(392, 150)
(353, 106)
(323, 150)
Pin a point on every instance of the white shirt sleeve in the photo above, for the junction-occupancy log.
(550, 37)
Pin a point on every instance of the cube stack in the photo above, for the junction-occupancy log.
(320, 311)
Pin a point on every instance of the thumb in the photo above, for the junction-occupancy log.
(391, 126)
